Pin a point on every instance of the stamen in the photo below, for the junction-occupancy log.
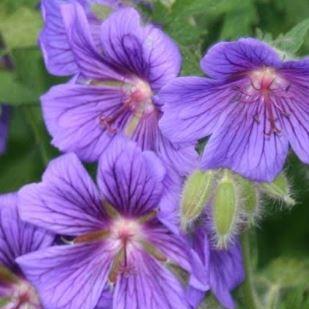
(92, 236)
(113, 274)
(136, 102)
(155, 252)
(110, 210)
(108, 121)
(149, 216)
(266, 86)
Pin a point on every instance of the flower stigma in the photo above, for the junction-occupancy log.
(136, 104)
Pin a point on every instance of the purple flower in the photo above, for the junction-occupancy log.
(17, 238)
(115, 91)
(58, 56)
(119, 246)
(223, 269)
(4, 122)
(253, 104)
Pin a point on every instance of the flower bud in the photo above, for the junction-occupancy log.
(196, 193)
(225, 211)
(250, 200)
(279, 189)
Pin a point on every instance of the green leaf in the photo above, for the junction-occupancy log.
(287, 272)
(190, 7)
(296, 298)
(292, 41)
(11, 5)
(13, 92)
(167, 3)
(30, 70)
(21, 27)
(239, 20)
(21, 163)
(191, 56)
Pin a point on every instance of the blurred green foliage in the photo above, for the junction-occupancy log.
(282, 253)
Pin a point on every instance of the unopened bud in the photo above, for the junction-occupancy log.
(250, 200)
(196, 193)
(279, 189)
(225, 211)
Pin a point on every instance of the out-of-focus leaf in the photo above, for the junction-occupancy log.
(21, 163)
(292, 41)
(30, 69)
(11, 5)
(190, 7)
(185, 31)
(167, 3)
(191, 56)
(266, 37)
(239, 21)
(20, 28)
(13, 92)
(297, 298)
(287, 272)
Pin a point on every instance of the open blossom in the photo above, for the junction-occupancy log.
(115, 91)
(223, 269)
(4, 122)
(17, 238)
(253, 105)
(119, 246)
(58, 55)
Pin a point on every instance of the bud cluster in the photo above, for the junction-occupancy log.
(229, 202)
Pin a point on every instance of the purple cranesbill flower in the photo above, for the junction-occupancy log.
(17, 238)
(115, 92)
(58, 56)
(253, 105)
(223, 269)
(4, 122)
(118, 245)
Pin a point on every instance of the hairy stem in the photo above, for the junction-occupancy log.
(249, 293)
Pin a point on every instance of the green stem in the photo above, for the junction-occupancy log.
(37, 134)
(250, 296)
(273, 297)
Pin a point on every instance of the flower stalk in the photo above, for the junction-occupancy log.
(250, 297)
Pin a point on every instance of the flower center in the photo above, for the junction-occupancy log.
(264, 80)
(266, 87)
(137, 103)
(124, 235)
(125, 232)
(22, 296)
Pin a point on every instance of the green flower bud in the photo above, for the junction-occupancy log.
(279, 189)
(196, 193)
(225, 210)
(250, 199)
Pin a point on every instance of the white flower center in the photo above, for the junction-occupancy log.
(126, 233)
(23, 296)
